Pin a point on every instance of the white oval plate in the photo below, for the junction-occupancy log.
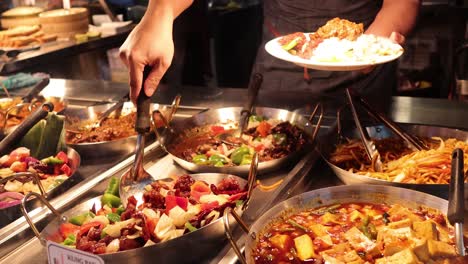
(274, 48)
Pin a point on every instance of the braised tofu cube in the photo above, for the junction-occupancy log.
(331, 260)
(440, 249)
(425, 229)
(318, 230)
(304, 247)
(280, 241)
(360, 242)
(326, 240)
(442, 234)
(403, 257)
(328, 218)
(352, 257)
(400, 224)
(354, 215)
(404, 213)
(395, 240)
(421, 250)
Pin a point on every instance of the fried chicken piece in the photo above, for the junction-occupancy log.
(341, 28)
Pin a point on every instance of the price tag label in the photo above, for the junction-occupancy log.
(60, 254)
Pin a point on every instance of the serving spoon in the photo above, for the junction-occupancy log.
(133, 182)
(234, 137)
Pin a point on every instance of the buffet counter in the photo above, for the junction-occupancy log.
(309, 172)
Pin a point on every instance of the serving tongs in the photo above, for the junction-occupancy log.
(456, 207)
(369, 145)
(235, 137)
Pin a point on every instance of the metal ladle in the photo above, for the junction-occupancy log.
(133, 182)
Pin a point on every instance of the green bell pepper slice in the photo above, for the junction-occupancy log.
(214, 159)
(200, 159)
(113, 187)
(246, 159)
(113, 217)
(238, 154)
(70, 240)
(80, 219)
(111, 200)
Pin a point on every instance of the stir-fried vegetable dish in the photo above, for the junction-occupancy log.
(169, 210)
(110, 129)
(337, 41)
(401, 164)
(52, 171)
(270, 138)
(357, 233)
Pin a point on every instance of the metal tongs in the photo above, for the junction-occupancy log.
(456, 207)
(369, 145)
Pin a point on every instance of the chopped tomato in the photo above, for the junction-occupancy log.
(62, 156)
(173, 201)
(18, 166)
(236, 196)
(199, 189)
(67, 229)
(263, 128)
(209, 206)
(66, 169)
(217, 130)
(259, 147)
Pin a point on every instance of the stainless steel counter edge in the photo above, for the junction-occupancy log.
(40, 213)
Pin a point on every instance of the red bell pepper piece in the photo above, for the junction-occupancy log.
(209, 206)
(173, 201)
(67, 229)
(263, 128)
(236, 196)
(199, 189)
(217, 130)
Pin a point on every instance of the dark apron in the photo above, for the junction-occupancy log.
(288, 16)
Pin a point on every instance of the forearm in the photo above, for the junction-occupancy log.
(395, 16)
(168, 8)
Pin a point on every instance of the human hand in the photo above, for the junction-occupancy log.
(150, 43)
(397, 38)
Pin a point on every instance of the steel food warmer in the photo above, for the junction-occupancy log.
(306, 172)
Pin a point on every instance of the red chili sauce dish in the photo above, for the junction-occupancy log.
(358, 233)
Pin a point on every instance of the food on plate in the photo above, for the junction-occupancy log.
(52, 171)
(169, 210)
(339, 40)
(24, 35)
(401, 164)
(78, 131)
(357, 233)
(270, 138)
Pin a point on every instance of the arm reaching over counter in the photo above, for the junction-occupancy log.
(150, 43)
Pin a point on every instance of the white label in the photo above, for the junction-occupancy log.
(60, 254)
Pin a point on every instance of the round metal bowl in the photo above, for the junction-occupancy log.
(340, 194)
(116, 147)
(9, 214)
(184, 249)
(231, 116)
(380, 132)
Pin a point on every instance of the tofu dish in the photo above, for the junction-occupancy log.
(358, 233)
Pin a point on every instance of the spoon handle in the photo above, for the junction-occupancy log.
(455, 212)
(142, 125)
